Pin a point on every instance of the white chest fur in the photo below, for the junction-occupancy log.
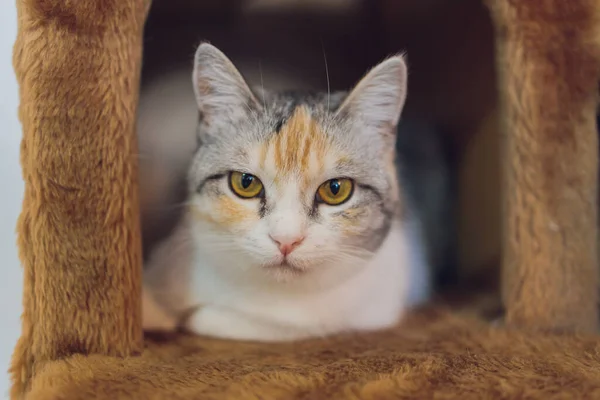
(375, 296)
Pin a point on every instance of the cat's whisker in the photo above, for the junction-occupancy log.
(346, 260)
(327, 76)
(345, 256)
(225, 243)
(170, 207)
(141, 156)
(262, 85)
(345, 251)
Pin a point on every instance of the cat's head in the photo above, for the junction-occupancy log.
(285, 185)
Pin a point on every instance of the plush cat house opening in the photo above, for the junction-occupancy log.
(78, 65)
(290, 45)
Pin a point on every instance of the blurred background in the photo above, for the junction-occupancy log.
(448, 138)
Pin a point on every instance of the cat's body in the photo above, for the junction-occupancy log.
(251, 307)
(296, 224)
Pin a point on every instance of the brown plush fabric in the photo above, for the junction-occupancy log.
(549, 58)
(78, 65)
(434, 355)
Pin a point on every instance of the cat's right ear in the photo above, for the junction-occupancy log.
(377, 100)
(221, 91)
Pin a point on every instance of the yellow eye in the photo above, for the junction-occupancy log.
(244, 185)
(335, 191)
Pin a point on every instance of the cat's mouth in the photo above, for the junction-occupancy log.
(286, 266)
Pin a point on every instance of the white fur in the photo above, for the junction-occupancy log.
(251, 306)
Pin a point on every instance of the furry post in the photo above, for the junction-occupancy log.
(549, 63)
(78, 66)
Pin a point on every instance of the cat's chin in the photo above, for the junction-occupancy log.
(284, 270)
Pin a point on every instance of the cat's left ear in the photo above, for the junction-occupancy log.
(221, 91)
(377, 100)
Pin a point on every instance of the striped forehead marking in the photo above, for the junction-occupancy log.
(299, 147)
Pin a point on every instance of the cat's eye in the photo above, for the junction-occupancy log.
(244, 185)
(335, 191)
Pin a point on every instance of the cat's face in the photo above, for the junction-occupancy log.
(286, 186)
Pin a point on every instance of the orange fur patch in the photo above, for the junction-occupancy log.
(299, 143)
(228, 213)
(231, 212)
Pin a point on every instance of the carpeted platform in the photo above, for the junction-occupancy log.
(435, 354)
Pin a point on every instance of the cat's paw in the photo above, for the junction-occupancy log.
(224, 323)
(154, 318)
(211, 321)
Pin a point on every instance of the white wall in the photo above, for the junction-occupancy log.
(10, 197)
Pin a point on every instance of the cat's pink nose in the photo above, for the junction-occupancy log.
(287, 244)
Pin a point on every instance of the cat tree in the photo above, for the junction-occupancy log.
(78, 65)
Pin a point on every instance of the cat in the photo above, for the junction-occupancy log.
(296, 225)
